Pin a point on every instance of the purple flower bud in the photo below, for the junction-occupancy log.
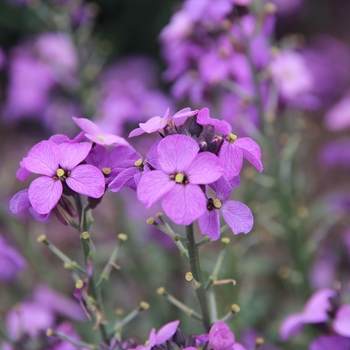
(220, 337)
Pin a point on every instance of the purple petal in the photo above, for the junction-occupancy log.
(125, 178)
(238, 216)
(22, 173)
(107, 139)
(88, 180)
(181, 116)
(291, 325)
(154, 185)
(166, 332)
(123, 157)
(71, 154)
(19, 202)
(235, 181)
(341, 323)
(176, 153)
(238, 346)
(43, 158)
(251, 151)
(222, 188)
(39, 217)
(220, 126)
(154, 124)
(98, 157)
(231, 158)
(330, 342)
(152, 155)
(152, 340)
(87, 125)
(204, 169)
(44, 193)
(136, 132)
(59, 138)
(209, 224)
(184, 203)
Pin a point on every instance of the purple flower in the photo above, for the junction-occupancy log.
(237, 215)
(221, 337)
(59, 164)
(11, 262)
(341, 323)
(337, 118)
(315, 311)
(165, 333)
(330, 342)
(181, 170)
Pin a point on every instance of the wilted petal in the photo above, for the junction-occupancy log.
(238, 216)
(176, 153)
(44, 193)
(204, 169)
(88, 180)
(125, 178)
(209, 224)
(184, 203)
(341, 323)
(43, 158)
(231, 158)
(19, 202)
(153, 186)
(251, 151)
(71, 154)
(166, 332)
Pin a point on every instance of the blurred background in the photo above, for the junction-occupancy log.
(116, 62)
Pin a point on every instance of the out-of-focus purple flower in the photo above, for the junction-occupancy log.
(221, 337)
(249, 337)
(338, 116)
(94, 133)
(237, 215)
(336, 153)
(60, 164)
(2, 58)
(322, 272)
(165, 333)
(181, 170)
(341, 322)
(330, 342)
(315, 311)
(11, 262)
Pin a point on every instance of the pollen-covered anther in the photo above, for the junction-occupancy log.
(49, 332)
(60, 172)
(189, 276)
(79, 284)
(144, 305)
(231, 138)
(179, 178)
(217, 203)
(106, 171)
(138, 162)
(235, 308)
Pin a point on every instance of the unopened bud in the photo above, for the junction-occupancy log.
(259, 341)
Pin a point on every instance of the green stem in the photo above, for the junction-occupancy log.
(197, 274)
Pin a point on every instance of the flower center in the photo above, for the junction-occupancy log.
(106, 171)
(60, 172)
(217, 203)
(179, 178)
(138, 162)
(231, 138)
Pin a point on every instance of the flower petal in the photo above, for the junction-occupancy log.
(231, 158)
(184, 203)
(19, 202)
(222, 188)
(87, 125)
(153, 186)
(209, 224)
(88, 180)
(205, 169)
(220, 126)
(166, 332)
(341, 323)
(44, 193)
(71, 154)
(125, 178)
(176, 153)
(251, 151)
(238, 216)
(292, 325)
(43, 158)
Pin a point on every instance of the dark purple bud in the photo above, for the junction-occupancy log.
(183, 131)
(191, 341)
(168, 130)
(215, 145)
(206, 346)
(179, 338)
(207, 133)
(195, 129)
(170, 345)
(203, 146)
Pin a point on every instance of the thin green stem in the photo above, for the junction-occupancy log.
(197, 274)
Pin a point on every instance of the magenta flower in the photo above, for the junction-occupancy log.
(165, 333)
(237, 215)
(60, 164)
(181, 170)
(315, 311)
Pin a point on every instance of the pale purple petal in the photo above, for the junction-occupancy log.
(220, 126)
(19, 202)
(209, 224)
(235, 181)
(98, 157)
(184, 203)
(181, 116)
(125, 178)
(22, 173)
(166, 332)
(222, 188)
(251, 151)
(87, 125)
(43, 158)
(221, 337)
(107, 139)
(71, 154)
(238, 346)
(123, 157)
(237, 216)
(136, 132)
(154, 124)
(153, 186)
(291, 325)
(341, 323)
(88, 180)
(44, 193)
(231, 158)
(59, 138)
(204, 169)
(39, 217)
(176, 153)
(152, 155)
(152, 340)
(330, 342)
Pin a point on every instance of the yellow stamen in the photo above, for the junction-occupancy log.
(79, 284)
(49, 332)
(235, 308)
(123, 237)
(106, 171)
(60, 172)
(101, 138)
(85, 235)
(231, 138)
(179, 178)
(189, 276)
(259, 341)
(217, 203)
(160, 290)
(144, 305)
(41, 238)
(138, 162)
(160, 120)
